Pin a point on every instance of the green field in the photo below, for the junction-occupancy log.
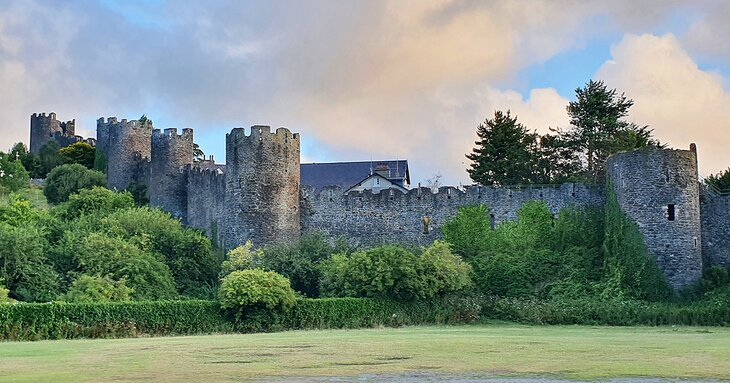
(569, 352)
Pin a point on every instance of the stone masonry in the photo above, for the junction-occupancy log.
(257, 195)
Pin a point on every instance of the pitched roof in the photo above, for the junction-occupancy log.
(348, 174)
(392, 184)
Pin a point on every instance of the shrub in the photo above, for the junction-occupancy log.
(79, 153)
(24, 267)
(300, 261)
(243, 257)
(13, 175)
(49, 158)
(443, 272)
(250, 290)
(90, 289)
(98, 200)
(382, 272)
(65, 180)
(470, 231)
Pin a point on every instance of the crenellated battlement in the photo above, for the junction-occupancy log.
(171, 133)
(262, 132)
(45, 128)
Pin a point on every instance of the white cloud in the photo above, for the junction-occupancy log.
(683, 103)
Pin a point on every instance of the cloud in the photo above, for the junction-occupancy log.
(683, 103)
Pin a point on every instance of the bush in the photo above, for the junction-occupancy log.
(65, 180)
(470, 231)
(443, 272)
(98, 200)
(250, 290)
(243, 257)
(13, 175)
(49, 158)
(24, 267)
(300, 261)
(79, 153)
(91, 289)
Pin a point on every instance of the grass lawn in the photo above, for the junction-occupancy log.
(570, 352)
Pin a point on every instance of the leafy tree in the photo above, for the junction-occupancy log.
(720, 181)
(470, 231)
(79, 153)
(504, 154)
(97, 200)
(198, 154)
(246, 290)
(49, 157)
(92, 289)
(13, 175)
(443, 272)
(65, 180)
(31, 162)
(187, 252)
(300, 261)
(244, 257)
(102, 255)
(382, 272)
(23, 265)
(598, 128)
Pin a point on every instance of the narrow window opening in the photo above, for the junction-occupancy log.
(492, 221)
(670, 212)
(695, 240)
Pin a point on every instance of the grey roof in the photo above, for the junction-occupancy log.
(348, 174)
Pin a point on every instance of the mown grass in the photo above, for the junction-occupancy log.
(571, 352)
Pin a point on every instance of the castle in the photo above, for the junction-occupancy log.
(257, 194)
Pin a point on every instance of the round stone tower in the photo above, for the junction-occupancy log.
(659, 191)
(262, 187)
(44, 128)
(122, 149)
(171, 153)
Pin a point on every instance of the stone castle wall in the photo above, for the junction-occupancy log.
(715, 212)
(168, 184)
(124, 146)
(46, 128)
(394, 217)
(649, 184)
(206, 200)
(262, 187)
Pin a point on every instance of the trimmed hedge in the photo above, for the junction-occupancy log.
(611, 313)
(59, 320)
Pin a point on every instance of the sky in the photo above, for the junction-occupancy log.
(367, 80)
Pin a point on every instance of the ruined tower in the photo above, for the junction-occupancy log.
(659, 191)
(262, 187)
(171, 154)
(122, 148)
(44, 128)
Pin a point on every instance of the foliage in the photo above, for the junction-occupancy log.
(470, 231)
(503, 154)
(98, 200)
(100, 161)
(101, 255)
(443, 272)
(79, 153)
(613, 312)
(49, 158)
(243, 257)
(188, 253)
(23, 265)
(65, 180)
(720, 181)
(392, 272)
(91, 289)
(198, 154)
(13, 175)
(139, 193)
(598, 129)
(60, 320)
(630, 270)
(300, 261)
(245, 290)
(31, 162)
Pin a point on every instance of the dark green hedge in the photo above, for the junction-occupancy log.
(36, 321)
(611, 313)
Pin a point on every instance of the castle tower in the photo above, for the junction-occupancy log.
(659, 190)
(45, 128)
(171, 153)
(262, 187)
(122, 147)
